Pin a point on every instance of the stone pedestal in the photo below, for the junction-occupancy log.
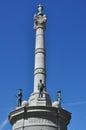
(39, 118)
(36, 101)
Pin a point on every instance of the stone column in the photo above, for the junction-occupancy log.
(40, 65)
(40, 97)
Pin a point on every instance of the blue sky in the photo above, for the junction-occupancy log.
(65, 60)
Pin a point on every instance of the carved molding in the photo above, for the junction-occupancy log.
(40, 70)
(38, 121)
(40, 21)
(40, 50)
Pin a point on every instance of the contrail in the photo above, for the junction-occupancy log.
(75, 103)
(4, 123)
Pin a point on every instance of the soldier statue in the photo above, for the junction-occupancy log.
(19, 98)
(40, 88)
(59, 97)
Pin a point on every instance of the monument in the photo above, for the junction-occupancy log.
(39, 113)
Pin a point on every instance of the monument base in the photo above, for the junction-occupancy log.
(35, 100)
(39, 118)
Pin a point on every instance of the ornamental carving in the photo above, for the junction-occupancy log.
(38, 120)
(39, 21)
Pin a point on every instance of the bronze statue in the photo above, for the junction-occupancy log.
(19, 98)
(59, 97)
(40, 88)
(40, 9)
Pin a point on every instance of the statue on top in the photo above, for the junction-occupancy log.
(40, 9)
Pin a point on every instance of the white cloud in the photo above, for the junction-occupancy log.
(4, 123)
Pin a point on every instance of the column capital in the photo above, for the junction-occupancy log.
(40, 21)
